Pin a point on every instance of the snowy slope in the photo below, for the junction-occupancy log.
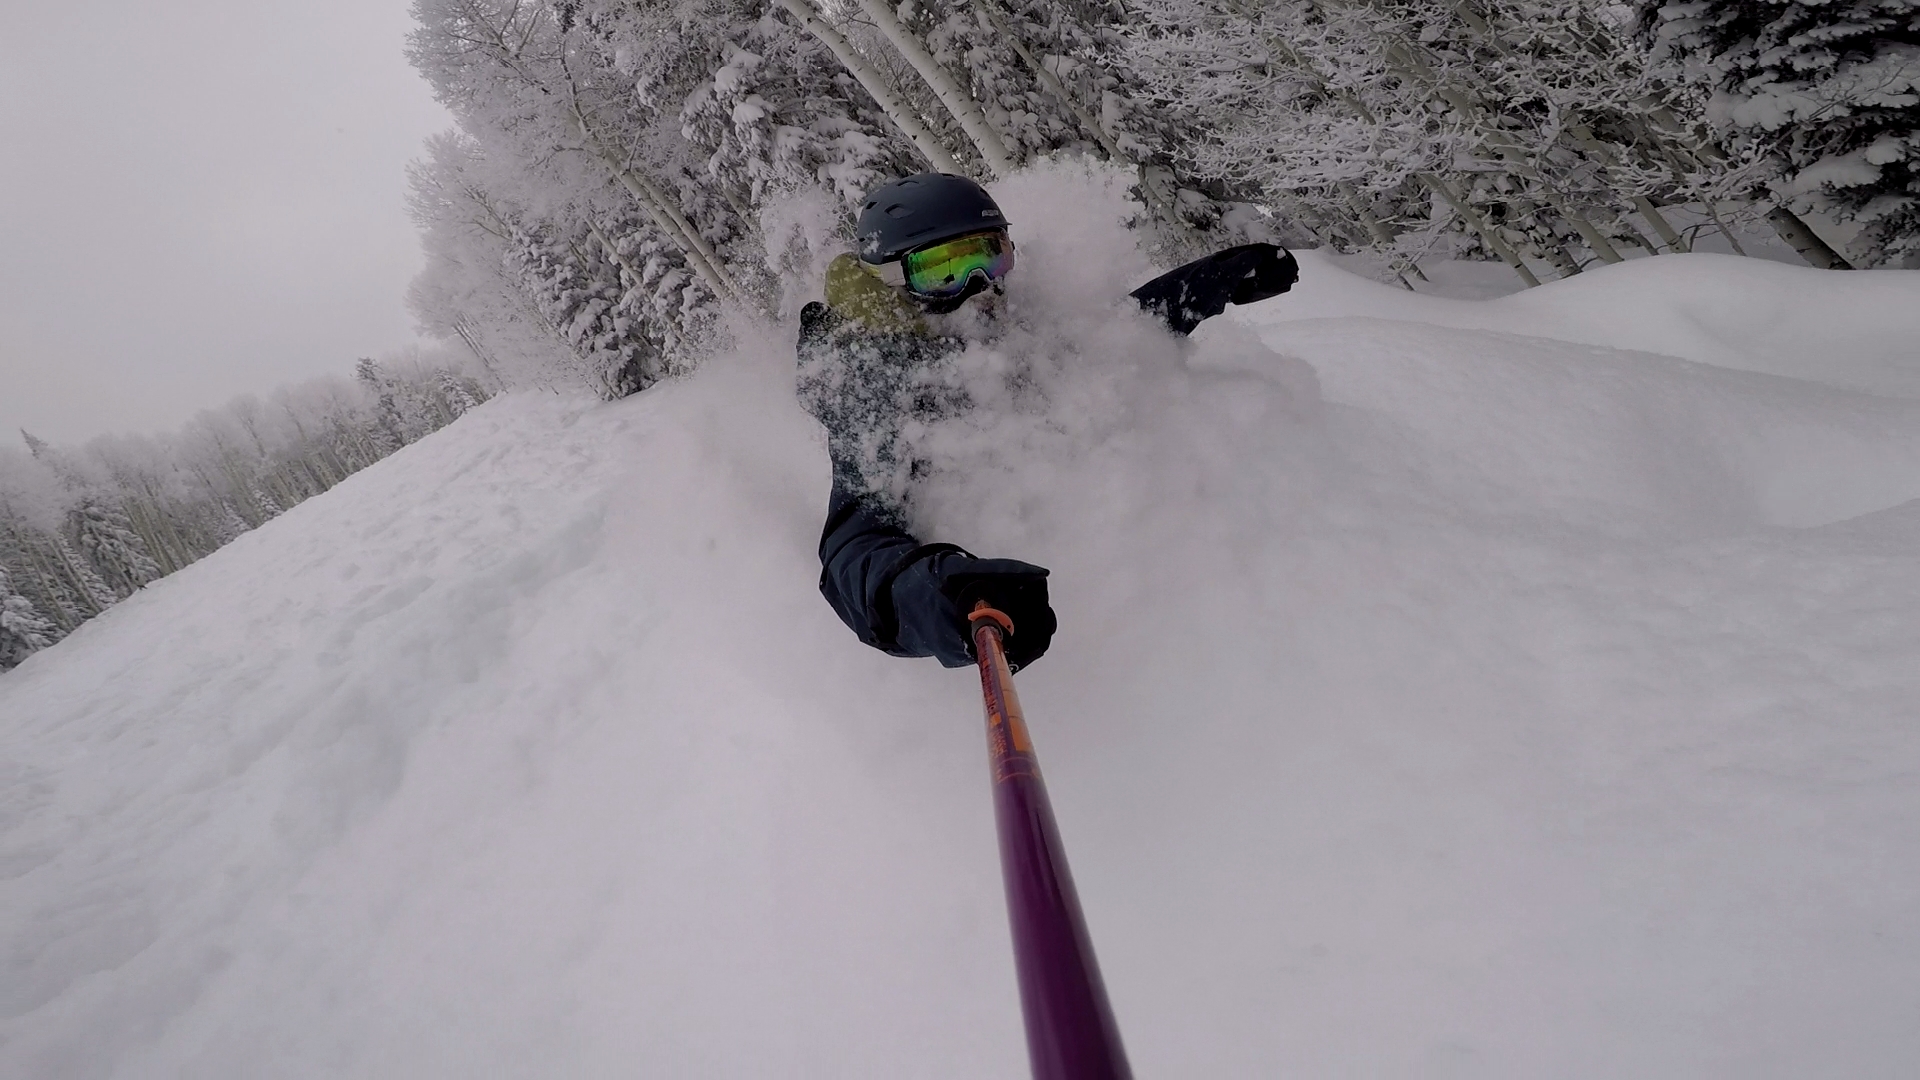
(1485, 701)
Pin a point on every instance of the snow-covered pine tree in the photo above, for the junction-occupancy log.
(31, 502)
(118, 554)
(90, 592)
(264, 502)
(54, 586)
(460, 395)
(584, 274)
(76, 504)
(23, 630)
(140, 471)
(385, 429)
(231, 524)
(1826, 92)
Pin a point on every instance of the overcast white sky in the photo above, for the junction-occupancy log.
(198, 199)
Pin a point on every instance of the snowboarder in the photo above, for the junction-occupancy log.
(927, 245)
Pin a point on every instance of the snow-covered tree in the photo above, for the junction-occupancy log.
(531, 81)
(460, 394)
(1543, 132)
(23, 630)
(105, 533)
(1827, 93)
(583, 276)
(1322, 111)
(82, 528)
(776, 112)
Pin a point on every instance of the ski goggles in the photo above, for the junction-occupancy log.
(946, 269)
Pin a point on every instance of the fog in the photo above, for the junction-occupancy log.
(199, 200)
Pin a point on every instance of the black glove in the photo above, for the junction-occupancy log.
(934, 595)
(1188, 295)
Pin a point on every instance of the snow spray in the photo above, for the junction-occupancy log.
(1071, 1034)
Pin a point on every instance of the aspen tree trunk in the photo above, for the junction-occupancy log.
(1374, 226)
(1637, 238)
(170, 549)
(63, 615)
(143, 518)
(1801, 237)
(1378, 230)
(1479, 224)
(1585, 136)
(1668, 235)
(665, 214)
(1589, 37)
(1322, 225)
(1488, 234)
(664, 210)
(699, 254)
(875, 85)
(987, 141)
(76, 578)
(652, 201)
(466, 335)
(1596, 240)
(1562, 259)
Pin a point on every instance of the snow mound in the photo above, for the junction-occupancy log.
(1859, 330)
(1430, 700)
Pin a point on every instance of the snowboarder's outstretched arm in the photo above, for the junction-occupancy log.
(1188, 295)
(911, 599)
(896, 594)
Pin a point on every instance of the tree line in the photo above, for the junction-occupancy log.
(624, 171)
(82, 529)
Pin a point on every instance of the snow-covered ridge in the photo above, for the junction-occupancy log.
(1519, 698)
(1855, 330)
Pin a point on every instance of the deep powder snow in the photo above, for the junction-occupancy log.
(1443, 689)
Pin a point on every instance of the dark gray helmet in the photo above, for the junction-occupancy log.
(923, 209)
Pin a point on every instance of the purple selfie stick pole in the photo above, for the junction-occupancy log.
(1071, 1034)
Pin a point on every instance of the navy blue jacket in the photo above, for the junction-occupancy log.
(908, 598)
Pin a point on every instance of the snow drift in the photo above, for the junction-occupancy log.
(1457, 690)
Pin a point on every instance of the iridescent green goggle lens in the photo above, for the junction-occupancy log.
(944, 269)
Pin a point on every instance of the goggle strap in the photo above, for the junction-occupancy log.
(893, 273)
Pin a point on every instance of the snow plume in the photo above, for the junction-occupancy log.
(803, 229)
(1068, 387)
